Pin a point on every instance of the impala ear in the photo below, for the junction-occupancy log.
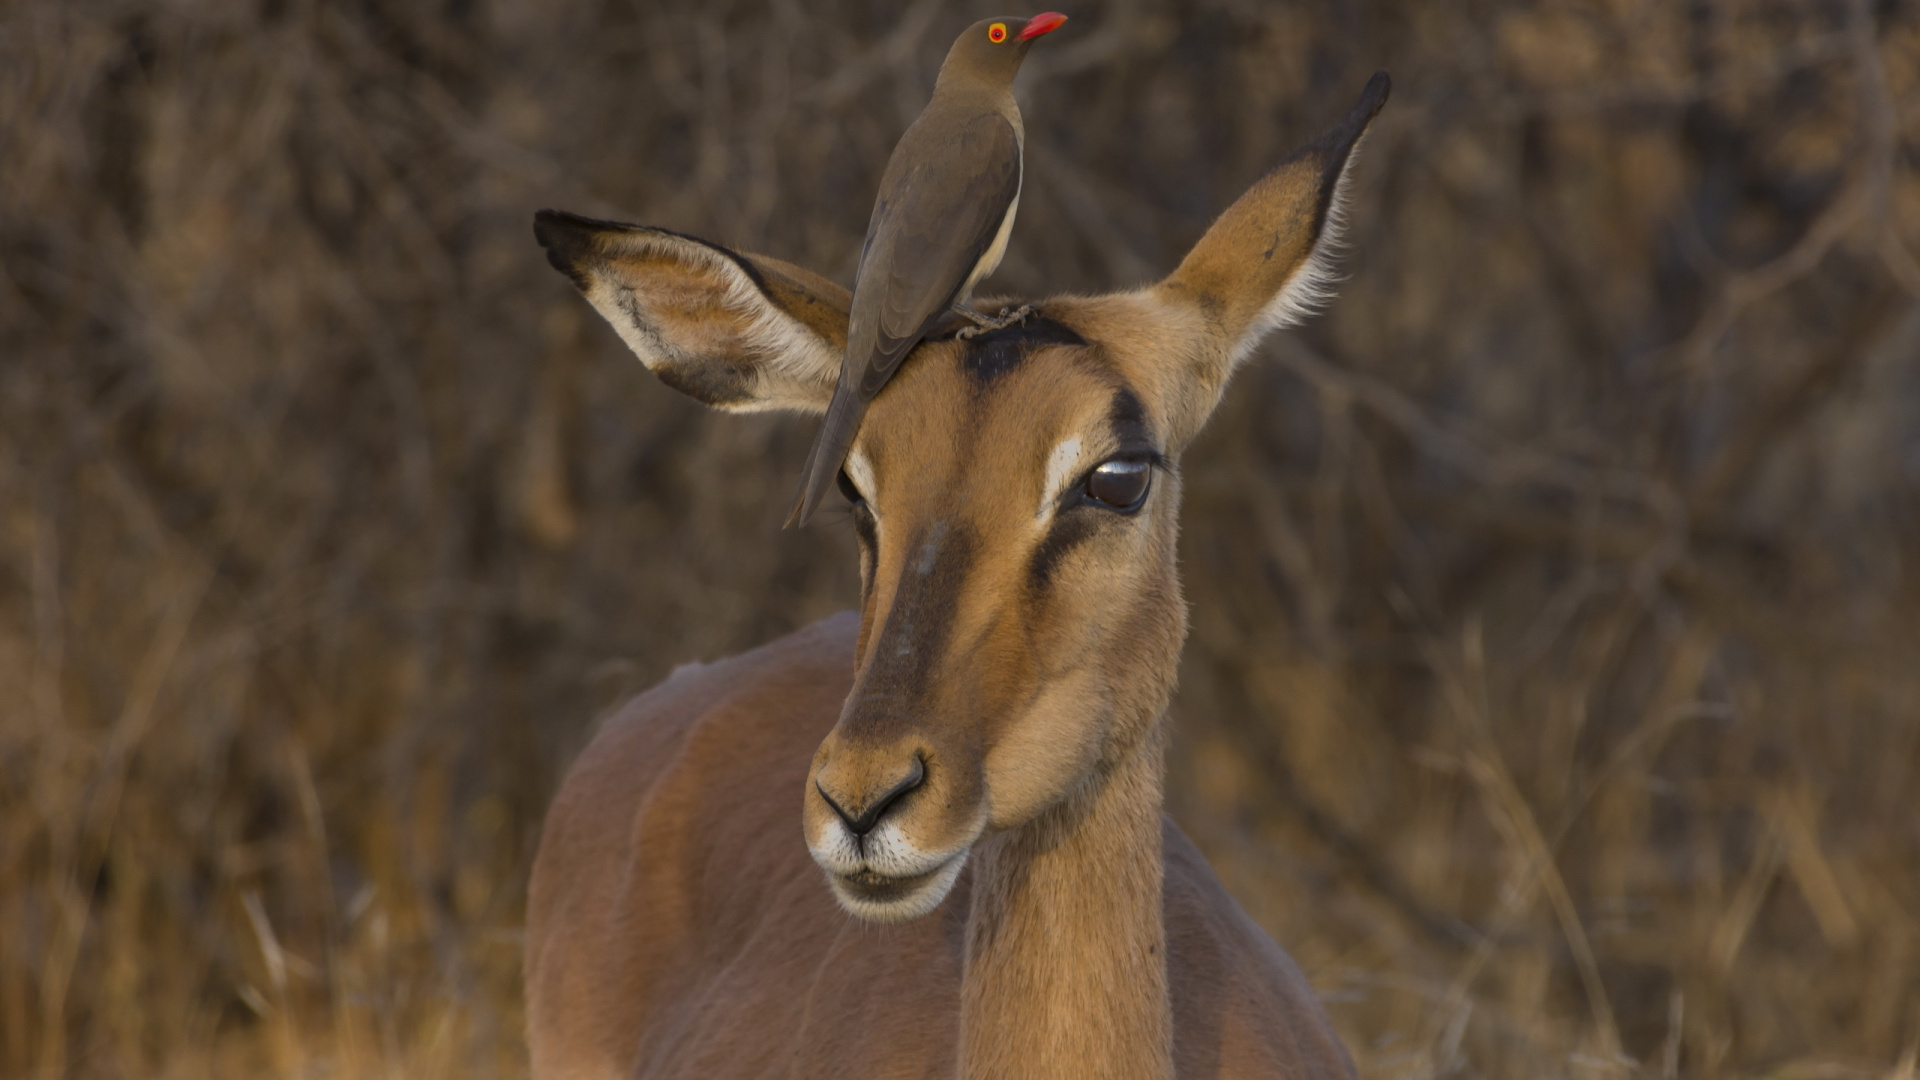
(744, 333)
(1267, 261)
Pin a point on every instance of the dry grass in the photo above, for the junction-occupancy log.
(1552, 694)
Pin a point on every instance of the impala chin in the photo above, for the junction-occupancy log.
(883, 877)
(881, 898)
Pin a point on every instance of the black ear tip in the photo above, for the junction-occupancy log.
(568, 240)
(1342, 138)
(1374, 96)
(557, 228)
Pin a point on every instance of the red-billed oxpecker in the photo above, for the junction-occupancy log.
(940, 225)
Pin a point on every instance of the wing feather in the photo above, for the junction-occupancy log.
(946, 193)
(944, 200)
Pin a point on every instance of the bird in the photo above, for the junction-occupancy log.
(940, 223)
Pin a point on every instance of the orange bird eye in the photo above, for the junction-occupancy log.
(997, 33)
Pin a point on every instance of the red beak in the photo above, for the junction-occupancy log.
(1044, 23)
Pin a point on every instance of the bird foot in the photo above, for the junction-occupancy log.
(987, 324)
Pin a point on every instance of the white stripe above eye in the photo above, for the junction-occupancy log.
(1062, 465)
(861, 473)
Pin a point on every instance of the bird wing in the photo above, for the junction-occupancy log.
(945, 194)
(944, 199)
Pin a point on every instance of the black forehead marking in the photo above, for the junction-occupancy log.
(997, 352)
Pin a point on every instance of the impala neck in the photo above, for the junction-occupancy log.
(1066, 963)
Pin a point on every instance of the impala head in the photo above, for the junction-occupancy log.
(1015, 497)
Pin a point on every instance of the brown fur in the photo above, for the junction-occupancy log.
(1027, 909)
(677, 927)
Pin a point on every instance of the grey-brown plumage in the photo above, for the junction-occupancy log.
(940, 223)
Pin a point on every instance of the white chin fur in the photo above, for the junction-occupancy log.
(885, 878)
(904, 903)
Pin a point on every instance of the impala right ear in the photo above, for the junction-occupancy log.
(744, 333)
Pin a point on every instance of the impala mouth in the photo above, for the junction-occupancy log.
(885, 898)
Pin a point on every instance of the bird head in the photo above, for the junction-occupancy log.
(993, 48)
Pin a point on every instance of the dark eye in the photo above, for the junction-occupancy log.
(1120, 485)
(846, 488)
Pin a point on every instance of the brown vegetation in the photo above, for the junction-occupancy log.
(1553, 691)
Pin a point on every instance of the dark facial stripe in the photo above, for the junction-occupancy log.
(917, 631)
(1071, 527)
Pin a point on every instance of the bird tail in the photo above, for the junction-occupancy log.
(829, 451)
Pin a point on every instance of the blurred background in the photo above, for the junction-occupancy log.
(1553, 692)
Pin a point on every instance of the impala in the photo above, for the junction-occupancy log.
(977, 756)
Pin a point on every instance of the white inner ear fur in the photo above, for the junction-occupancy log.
(1062, 466)
(793, 367)
(1311, 287)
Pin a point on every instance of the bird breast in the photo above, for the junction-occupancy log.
(990, 261)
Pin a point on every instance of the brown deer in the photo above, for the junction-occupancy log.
(978, 754)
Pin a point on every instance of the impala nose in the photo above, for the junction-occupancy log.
(860, 816)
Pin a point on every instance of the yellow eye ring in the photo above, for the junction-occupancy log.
(997, 33)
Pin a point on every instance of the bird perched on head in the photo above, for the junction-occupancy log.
(940, 224)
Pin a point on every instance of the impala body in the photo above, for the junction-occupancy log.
(974, 763)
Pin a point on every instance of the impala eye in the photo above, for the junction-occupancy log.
(1120, 485)
(846, 488)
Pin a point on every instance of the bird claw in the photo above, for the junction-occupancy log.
(987, 324)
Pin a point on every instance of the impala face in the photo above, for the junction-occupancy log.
(1015, 498)
(1015, 502)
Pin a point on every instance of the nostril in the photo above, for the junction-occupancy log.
(838, 810)
(864, 822)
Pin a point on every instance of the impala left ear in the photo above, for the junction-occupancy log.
(1268, 261)
(740, 332)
